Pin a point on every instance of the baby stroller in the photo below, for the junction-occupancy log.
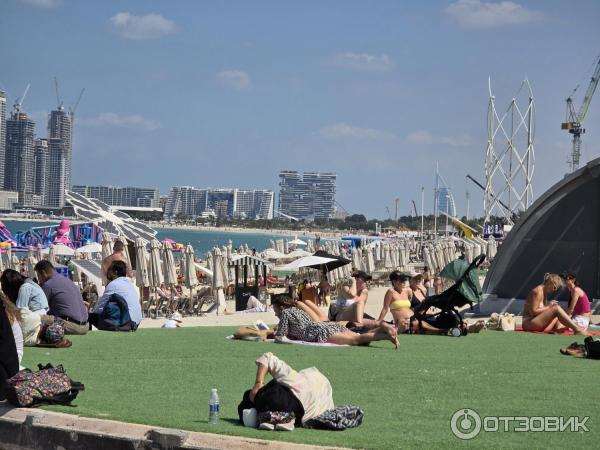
(465, 290)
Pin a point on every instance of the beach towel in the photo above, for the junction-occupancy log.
(566, 332)
(286, 341)
(339, 418)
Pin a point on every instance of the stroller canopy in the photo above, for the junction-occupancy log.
(470, 287)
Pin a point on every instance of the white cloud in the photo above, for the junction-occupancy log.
(363, 62)
(48, 4)
(135, 121)
(422, 137)
(150, 26)
(236, 79)
(478, 14)
(345, 131)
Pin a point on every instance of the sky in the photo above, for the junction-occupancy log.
(229, 93)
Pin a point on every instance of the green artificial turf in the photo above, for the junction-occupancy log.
(163, 378)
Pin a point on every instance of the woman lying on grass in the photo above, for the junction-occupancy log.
(297, 324)
(539, 314)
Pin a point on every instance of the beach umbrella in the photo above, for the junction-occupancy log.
(297, 241)
(189, 269)
(356, 259)
(394, 253)
(58, 250)
(31, 262)
(298, 253)
(168, 265)
(229, 249)
(209, 261)
(272, 254)
(123, 239)
(94, 247)
(369, 259)
(155, 273)
(387, 257)
(491, 247)
(39, 252)
(308, 261)
(378, 255)
(189, 275)
(51, 256)
(272, 244)
(218, 280)
(107, 245)
(142, 278)
(10, 264)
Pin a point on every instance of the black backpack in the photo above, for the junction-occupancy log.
(50, 385)
(592, 347)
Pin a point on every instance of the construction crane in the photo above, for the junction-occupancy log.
(574, 120)
(387, 209)
(73, 108)
(59, 102)
(19, 101)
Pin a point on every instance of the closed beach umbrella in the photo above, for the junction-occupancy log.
(209, 261)
(189, 275)
(155, 273)
(229, 250)
(356, 259)
(369, 259)
(123, 239)
(39, 252)
(168, 264)
(387, 257)
(142, 278)
(51, 253)
(218, 280)
(107, 245)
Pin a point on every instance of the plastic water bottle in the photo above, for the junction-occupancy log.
(213, 415)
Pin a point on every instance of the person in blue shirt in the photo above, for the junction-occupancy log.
(23, 292)
(121, 285)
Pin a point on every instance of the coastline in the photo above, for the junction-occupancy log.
(274, 231)
(165, 226)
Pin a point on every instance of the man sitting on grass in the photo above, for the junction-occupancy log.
(64, 299)
(121, 291)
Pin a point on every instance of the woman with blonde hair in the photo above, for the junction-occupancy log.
(540, 314)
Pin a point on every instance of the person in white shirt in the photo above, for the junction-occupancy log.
(120, 284)
(174, 321)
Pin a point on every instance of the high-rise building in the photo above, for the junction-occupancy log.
(19, 174)
(41, 158)
(59, 127)
(2, 137)
(307, 196)
(445, 201)
(122, 196)
(232, 203)
(57, 173)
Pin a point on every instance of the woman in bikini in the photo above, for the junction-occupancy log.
(397, 300)
(539, 314)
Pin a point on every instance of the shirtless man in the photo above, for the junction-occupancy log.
(117, 255)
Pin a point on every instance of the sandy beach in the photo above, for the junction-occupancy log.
(279, 232)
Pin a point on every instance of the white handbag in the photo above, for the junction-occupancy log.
(501, 322)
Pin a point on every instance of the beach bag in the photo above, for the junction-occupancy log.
(592, 347)
(115, 315)
(339, 418)
(50, 385)
(501, 322)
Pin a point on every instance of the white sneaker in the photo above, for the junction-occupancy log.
(266, 426)
(285, 426)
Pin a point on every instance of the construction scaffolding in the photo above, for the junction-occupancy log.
(510, 158)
